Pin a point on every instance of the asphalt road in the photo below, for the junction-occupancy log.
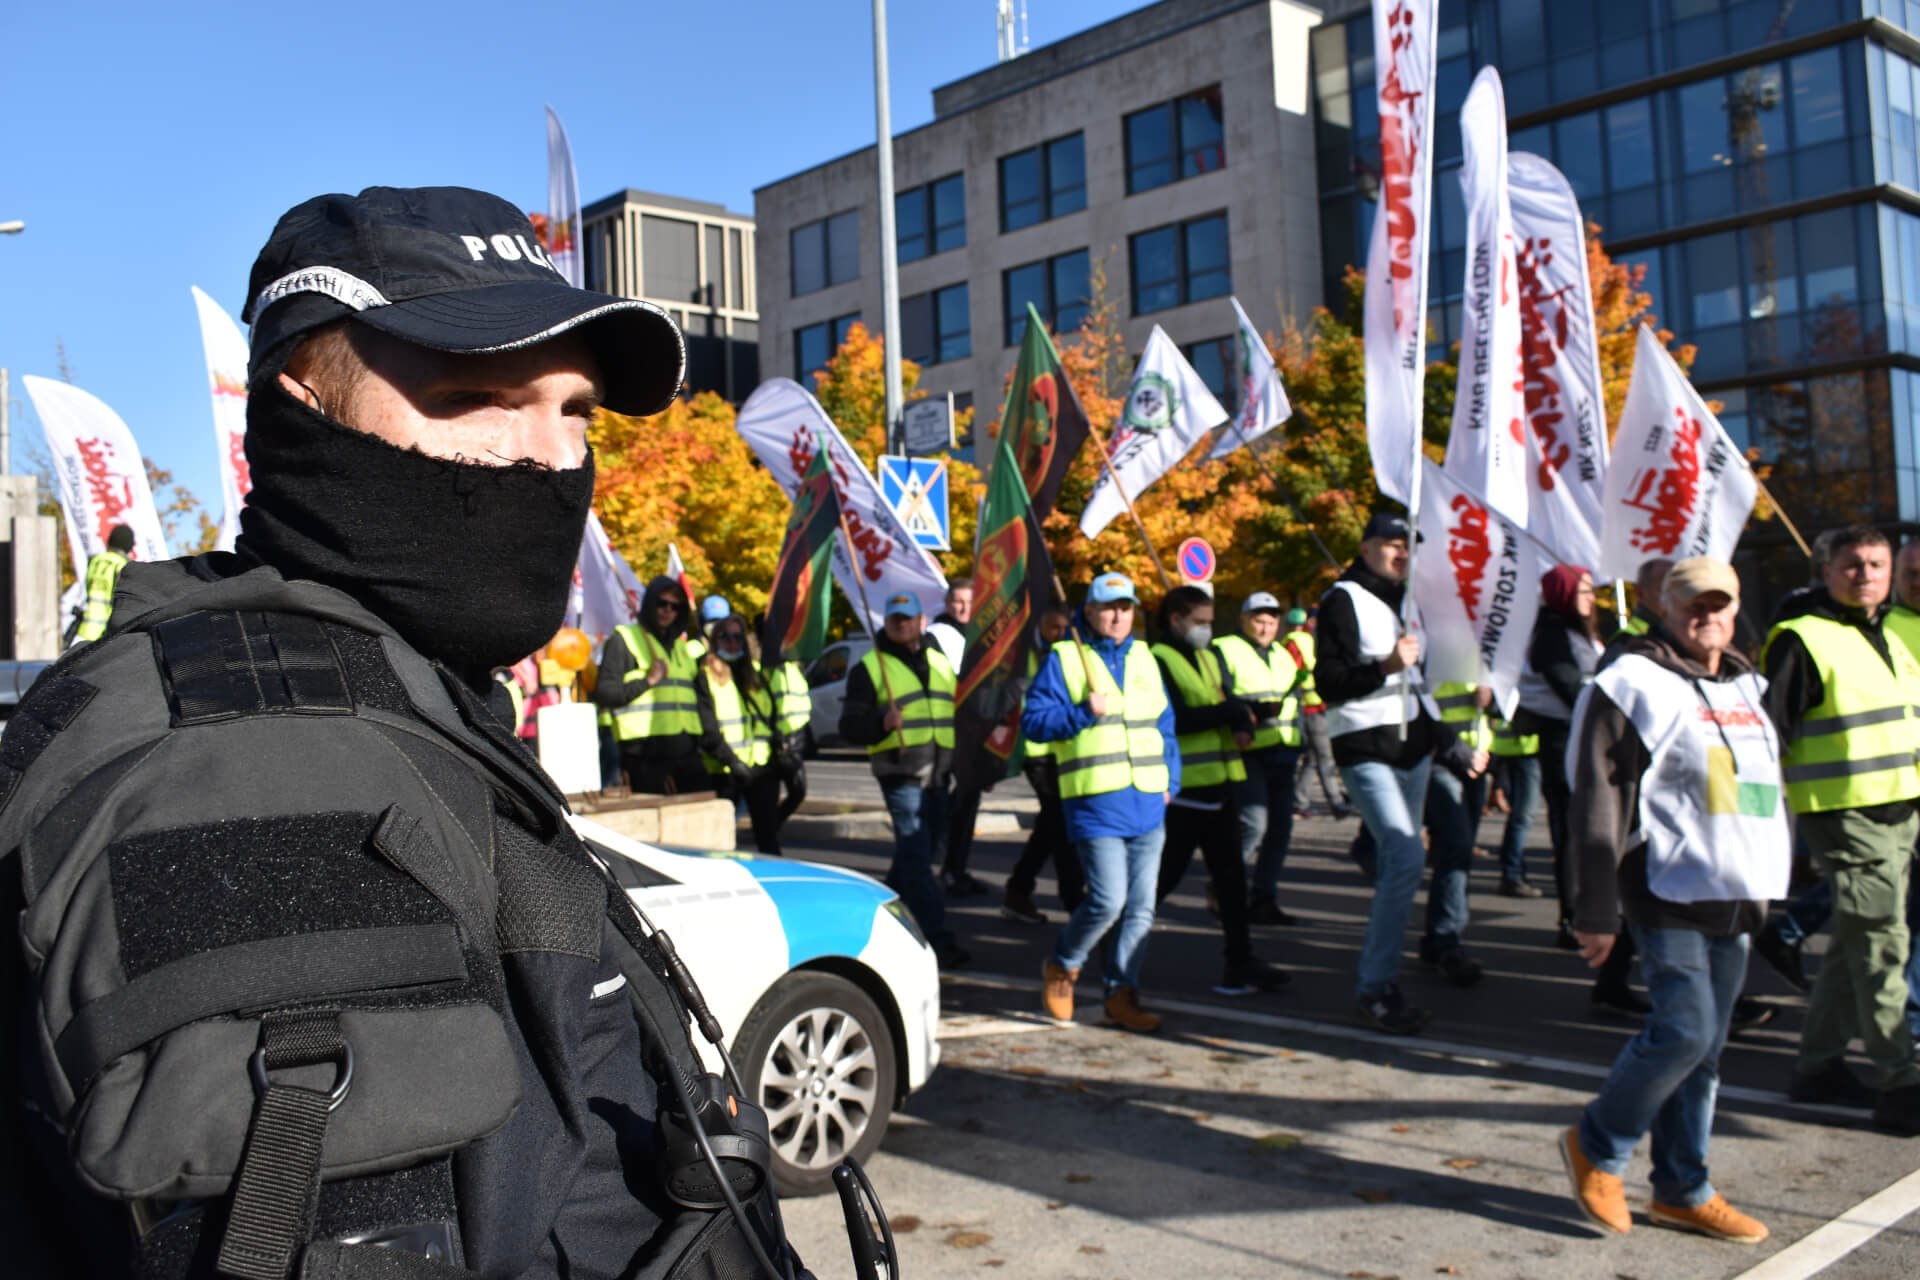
(1271, 1136)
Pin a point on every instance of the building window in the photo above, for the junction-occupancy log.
(1043, 182)
(1060, 289)
(826, 252)
(670, 258)
(816, 344)
(1182, 263)
(930, 219)
(1213, 360)
(1175, 140)
(934, 327)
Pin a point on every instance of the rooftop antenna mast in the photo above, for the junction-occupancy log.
(1012, 32)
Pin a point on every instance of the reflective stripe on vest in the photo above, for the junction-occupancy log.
(667, 708)
(1300, 643)
(1268, 679)
(745, 724)
(1460, 707)
(1116, 751)
(926, 714)
(792, 703)
(1859, 746)
(1207, 758)
(103, 575)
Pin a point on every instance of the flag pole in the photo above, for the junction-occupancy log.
(1059, 588)
(1785, 519)
(1166, 583)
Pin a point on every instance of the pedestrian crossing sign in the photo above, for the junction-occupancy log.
(916, 489)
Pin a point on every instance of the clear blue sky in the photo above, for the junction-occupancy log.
(151, 147)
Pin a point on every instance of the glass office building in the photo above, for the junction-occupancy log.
(1758, 157)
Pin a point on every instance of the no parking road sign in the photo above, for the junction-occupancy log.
(916, 489)
(1196, 561)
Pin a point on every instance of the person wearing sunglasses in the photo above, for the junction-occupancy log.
(646, 681)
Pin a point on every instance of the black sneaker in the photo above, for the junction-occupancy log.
(1267, 911)
(951, 955)
(1834, 1085)
(1749, 1013)
(1898, 1110)
(959, 884)
(1390, 1012)
(1244, 977)
(1519, 889)
(1622, 1000)
(1459, 968)
(1019, 906)
(1783, 956)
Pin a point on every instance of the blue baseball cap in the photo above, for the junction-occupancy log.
(903, 605)
(714, 608)
(1109, 587)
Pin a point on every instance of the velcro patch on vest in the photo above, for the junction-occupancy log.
(227, 664)
(551, 897)
(50, 707)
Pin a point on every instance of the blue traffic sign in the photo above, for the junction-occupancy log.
(1196, 560)
(916, 489)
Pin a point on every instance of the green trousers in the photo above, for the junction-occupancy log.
(1861, 987)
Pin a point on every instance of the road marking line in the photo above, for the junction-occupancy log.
(961, 1026)
(1823, 1246)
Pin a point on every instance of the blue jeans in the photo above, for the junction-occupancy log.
(1523, 797)
(1122, 877)
(1453, 817)
(1666, 1078)
(1390, 802)
(1266, 815)
(919, 817)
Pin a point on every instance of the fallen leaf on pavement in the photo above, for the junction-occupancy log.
(1373, 1197)
(1023, 1070)
(1461, 1162)
(1224, 1057)
(903, 1224)
(1056, 1204)
(968, 1239)
(1399, 1128)
(994, 1262)
(1278, 1141)
(1446, 1271)
(1022, 1048)
(1165, 1074)
(1093, 1248)
(1092, 1063)
(1079, 1177)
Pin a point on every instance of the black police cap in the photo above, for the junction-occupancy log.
(455, 270)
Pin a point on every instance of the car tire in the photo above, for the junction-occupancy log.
(818, 1111)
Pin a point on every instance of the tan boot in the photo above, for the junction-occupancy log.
(1057, 995)
(1600, 1195)
(1123, 1010)
(1715, 1218)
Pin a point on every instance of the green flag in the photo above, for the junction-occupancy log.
(798, 602)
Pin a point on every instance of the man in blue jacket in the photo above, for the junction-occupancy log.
(1099, 696)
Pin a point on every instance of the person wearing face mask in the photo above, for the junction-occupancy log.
(738, 734)
(1213, 729)
(646, 681)
(391, 1014)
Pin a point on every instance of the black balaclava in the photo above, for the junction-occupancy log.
(469, 563)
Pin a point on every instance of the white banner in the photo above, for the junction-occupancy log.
(563, 205)
(1477, 582)
(1167, 410)
(1560, 359)
(227, 379)
(1404, 32)
(1487, 447)
(1263, 401)
(782, 423)
(605, 592)
(1678, 486)
(98, 471)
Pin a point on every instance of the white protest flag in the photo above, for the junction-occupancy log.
(1560, 360)
(1168, 410)
(563, 205)
(1404, 32)
(1677, 486)
(783, 424)
(1487, 448)
(606, 592)
(1477, 583)
(227, 379)
(98, 472)
(1263, 401)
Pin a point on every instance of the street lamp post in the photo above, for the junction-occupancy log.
(889, 254)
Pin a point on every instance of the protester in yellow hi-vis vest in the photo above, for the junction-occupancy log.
(1048, 839)
(1258, 670)
(1841, 690)
(1213, 729)
(1316, 744)
(1100, 701)
(739, 736)
(792, 715)
(103, 575)
(646, 681)
(899, 706)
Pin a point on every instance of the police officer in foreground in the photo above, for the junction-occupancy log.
(899, 706)
(342, 993)
(1840, 690)
(103, 575)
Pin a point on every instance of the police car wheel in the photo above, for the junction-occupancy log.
(817, 1054)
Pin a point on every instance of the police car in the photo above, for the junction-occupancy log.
(828, 993)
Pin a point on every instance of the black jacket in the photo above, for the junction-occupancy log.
(1341, 675)
(712, 741)
(864, 709)
(611, 691)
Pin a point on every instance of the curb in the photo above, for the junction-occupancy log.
(873, 824)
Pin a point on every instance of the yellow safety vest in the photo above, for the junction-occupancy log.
(103, 575)
(1302, 639)
(667, 708)
(1119, 749)
(792, 703)
(1635, 625)
(1861, 745)
(1905, 623)
(1508, 743)
(1459, 707)
(926, 711)
(1269, 679)
(518, 697)
(1207, 758)
(746, 724)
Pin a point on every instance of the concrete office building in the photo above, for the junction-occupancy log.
(1174, 145)
(692, 258)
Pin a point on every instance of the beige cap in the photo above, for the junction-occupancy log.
(1697, 576)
